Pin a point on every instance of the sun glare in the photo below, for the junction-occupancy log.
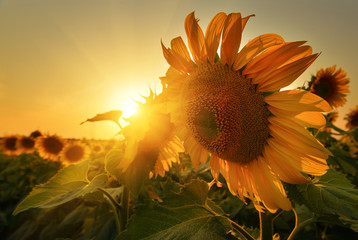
(128, 110)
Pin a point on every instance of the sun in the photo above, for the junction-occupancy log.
(128, 109)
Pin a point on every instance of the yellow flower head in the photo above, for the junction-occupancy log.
(331, 85)
(225, 106)
(50, 146)
(352, 118)
(27, 144)
(10, 145)
(74, 152)
(150, 137)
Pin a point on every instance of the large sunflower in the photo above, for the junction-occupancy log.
(231, 107)
(331, 85)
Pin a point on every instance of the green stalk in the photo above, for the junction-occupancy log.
(124, 210)
(266, 225)
(115, 207)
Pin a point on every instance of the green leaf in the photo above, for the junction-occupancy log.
(69, 183)
(344, 160)
(187, 214)
(331, 193)
(136, 176)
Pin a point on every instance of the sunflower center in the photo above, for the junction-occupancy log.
(225, 113)
(75, 153)
(323, 89)
(52, 145)
(10, 143)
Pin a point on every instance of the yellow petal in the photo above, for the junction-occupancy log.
(297, 101)
(305, 119)
(283, 56)
(285, 75)
(284, 171)
(175, 59)
(265, 59)
(195, 38)
(301, 140)
(269, 187)
(254, 47)
(213, 34)
(180, 49)
(231, 38)
(300, 161)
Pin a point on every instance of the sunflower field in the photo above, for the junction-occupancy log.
(225, 151)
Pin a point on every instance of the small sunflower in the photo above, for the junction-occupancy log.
(231, 107)
(331, 85)
(150, 137)
(36, 134)
(96, 148)
(10, 145)
(352, 118)
(27, 144)
(74, 152)
(50, 146)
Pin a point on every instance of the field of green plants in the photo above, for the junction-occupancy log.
(42, 199)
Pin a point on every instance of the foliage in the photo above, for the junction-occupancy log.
(88, 200)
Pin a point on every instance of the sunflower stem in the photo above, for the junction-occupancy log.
(115, 207)
(124, 208)
(266, 225)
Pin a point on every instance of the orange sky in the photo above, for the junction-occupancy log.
(63, 61)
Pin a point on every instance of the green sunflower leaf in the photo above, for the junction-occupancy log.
(136, 176)
(187, 214)
(69, 183)
(329, 194)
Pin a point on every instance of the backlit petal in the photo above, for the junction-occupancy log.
(213, 34)
(195, 38)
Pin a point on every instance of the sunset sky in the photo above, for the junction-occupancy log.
(63, 61)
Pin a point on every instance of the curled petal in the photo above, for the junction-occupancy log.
(195, 38)
(231, 38)
(254, 47)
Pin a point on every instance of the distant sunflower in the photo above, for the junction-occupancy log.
(27, 144)
(331, 85)
(10, 145)
(150, 137)
(352, 118)
(96, 148)
(231, 107)
(74, 152)
(36, 134)
(50, 146)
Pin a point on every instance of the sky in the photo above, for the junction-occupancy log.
(63, 61)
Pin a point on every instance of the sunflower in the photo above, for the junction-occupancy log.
(27, 144)
(74, 152)
(150, 137)
(36, 134)
(352, 118)
(96, 148)
(10, 145)
(331, 85)
(50, 146)
(231, 107)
